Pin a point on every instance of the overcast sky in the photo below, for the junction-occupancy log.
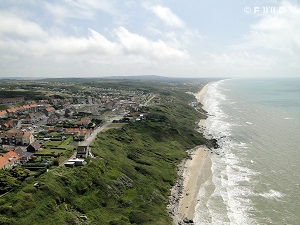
(194, 38)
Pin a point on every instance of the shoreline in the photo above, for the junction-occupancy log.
(184, 193)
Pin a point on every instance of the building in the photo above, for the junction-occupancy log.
(75, 162)
(9, 160)
(83, 122)
(49, 111)
(11, 100)
(9, 123)
(53, 119)
(34, 147)
(82, 151)
(28, 138)
(3, 114)
(27, 157)
(77, 133)
(11, 138)
(20, 152)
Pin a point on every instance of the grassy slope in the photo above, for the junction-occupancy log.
(127, 183)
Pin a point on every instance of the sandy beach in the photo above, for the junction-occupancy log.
(192, 183)
(191, 176)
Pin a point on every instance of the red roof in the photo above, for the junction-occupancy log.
(11, 110)
(27, 134)
(3, 112)
(8, 157)
(3, 161)
(50, 109)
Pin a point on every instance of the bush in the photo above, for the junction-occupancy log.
(55, 162)
(139, 217)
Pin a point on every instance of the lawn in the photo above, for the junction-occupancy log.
(50, 151)
(65, 144)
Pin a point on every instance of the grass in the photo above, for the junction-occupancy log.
(52, 143)
(64, 144)
(49, 151)
(114, 126)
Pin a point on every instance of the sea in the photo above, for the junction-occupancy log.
(255, 174)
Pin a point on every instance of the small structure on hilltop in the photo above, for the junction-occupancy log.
(82, 151)
(75, 162)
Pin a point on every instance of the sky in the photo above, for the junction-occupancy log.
(194, 38)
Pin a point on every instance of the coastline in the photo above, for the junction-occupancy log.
(191, 176)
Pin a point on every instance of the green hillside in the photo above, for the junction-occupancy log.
(128, 182)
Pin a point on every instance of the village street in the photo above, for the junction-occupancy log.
(93, 136)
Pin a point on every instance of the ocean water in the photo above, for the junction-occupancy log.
(255, 175)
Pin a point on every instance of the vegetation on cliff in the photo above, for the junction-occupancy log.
(128, 181)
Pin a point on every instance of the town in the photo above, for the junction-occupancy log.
(44, 124)
(79, 148)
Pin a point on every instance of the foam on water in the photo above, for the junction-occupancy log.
(255, 172)
(272, 194)
(226, 194)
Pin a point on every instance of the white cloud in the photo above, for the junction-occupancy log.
(78, 39)
(13, 25)
(60, 52)
(81, 9)
(167, 16)
(137, 44)
(279, 31)
(270, 48)
(95, 43)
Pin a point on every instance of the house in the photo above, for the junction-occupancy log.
(53, 119)
(83, 121)
(9, 160)
(34, 147)
(32, 117)
(26, 108)
(39, 116)
(28, 138)
(3, 114)
(75, 162)
(11, 138)
(49, 111)
(26, 157)
(20, 152)
(33, 107)
(11, 100)
(11, 112)
(77, 133)
(9, 123)
(3, 162)
(82, 151)
(20, 109)
(69, 112)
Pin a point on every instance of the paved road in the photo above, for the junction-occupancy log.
(93, 136)
(150, 99)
